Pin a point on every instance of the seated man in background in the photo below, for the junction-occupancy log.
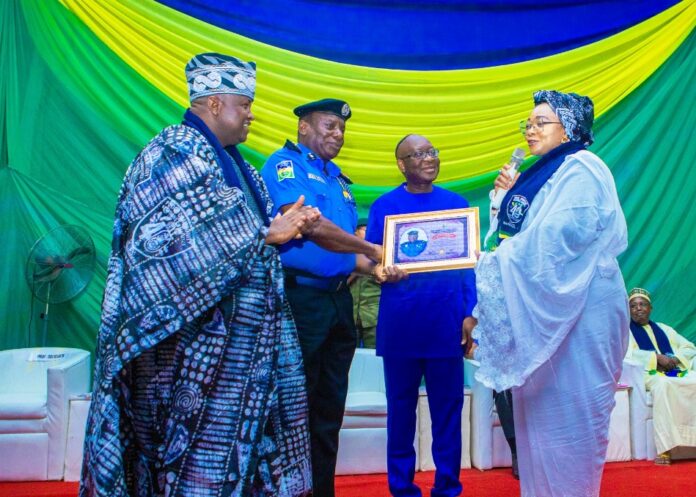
(668, 359)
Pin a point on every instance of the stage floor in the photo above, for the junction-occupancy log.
(623, 479)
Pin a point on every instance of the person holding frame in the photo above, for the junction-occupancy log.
(419, 329)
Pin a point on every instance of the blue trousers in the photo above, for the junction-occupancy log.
(444, 382)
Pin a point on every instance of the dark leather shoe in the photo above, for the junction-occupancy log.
(515, 471)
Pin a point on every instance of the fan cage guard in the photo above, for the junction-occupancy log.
(60, 264)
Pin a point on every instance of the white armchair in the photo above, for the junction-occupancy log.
(489, 449)
(425, 435)
(641, 409)
(34, 394)
(362, 447)
(640, 402)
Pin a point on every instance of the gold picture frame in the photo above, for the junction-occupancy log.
(432, 241)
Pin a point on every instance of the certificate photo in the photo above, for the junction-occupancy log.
(432, 241)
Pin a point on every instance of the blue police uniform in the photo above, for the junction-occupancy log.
(319, 297)
(295, 170)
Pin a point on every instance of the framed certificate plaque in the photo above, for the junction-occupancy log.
(432, 241)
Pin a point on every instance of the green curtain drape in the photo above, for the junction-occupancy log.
(69, 129)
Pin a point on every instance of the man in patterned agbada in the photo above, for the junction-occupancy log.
(199, 388)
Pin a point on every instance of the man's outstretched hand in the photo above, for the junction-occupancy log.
(388, 274)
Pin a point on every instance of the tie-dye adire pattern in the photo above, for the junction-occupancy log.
(199, 385)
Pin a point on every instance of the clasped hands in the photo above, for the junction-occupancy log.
(666, 363)
(293, 223)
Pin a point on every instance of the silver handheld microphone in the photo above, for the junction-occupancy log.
(515, 161)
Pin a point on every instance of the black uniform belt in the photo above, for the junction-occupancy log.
(300, 278)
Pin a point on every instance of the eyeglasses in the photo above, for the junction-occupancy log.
(527, 126)
(422, 154)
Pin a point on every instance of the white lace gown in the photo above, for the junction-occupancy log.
(553, 325)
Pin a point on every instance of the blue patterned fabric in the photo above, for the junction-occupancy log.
(199, 386)
(248, 181)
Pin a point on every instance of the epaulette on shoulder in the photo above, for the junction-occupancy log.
(291, 146)
(346, 178)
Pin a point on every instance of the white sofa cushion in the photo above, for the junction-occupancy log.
(374, 421)
(8, 426)
(366, 403)
(22, 406)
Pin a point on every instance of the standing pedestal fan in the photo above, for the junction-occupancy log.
(59, 267)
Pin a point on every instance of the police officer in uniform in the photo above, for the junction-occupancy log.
(317, 268)
(413, 246)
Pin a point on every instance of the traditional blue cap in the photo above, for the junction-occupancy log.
(217, 74)
(330, 105)
(575, 112)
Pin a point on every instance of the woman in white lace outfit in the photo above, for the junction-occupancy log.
(552, 307)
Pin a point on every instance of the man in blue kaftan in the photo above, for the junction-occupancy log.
(199, 387)
(420, 328)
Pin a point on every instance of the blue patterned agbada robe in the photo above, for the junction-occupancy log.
(199, 386)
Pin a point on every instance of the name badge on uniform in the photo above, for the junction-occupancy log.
(285, 170)
(316, 177)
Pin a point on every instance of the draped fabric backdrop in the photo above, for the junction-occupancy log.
(86, 83)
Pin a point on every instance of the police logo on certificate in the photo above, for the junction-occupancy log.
(285, 170)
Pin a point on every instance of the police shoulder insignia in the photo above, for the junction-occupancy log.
(285, 170)
(347, 194)
(346, 178)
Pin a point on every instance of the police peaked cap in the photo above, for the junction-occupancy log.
(330, 105)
